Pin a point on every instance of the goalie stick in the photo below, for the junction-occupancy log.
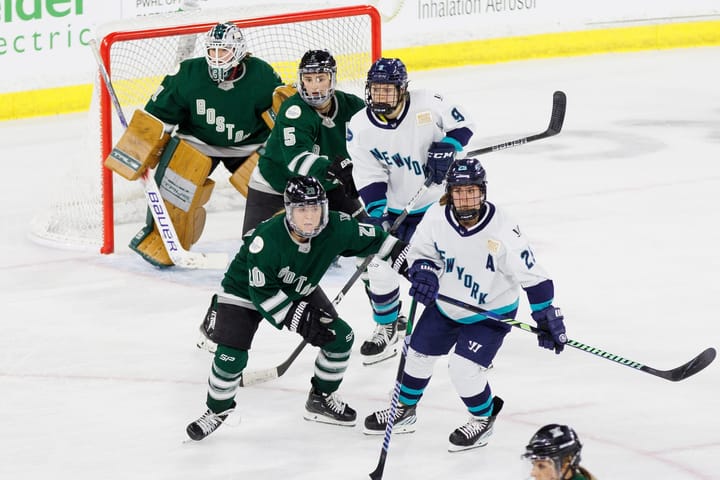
(179, 256)
(676, 374)
(557, 117)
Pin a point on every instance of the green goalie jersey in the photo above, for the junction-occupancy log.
(305, 143)
(225, 114)
(272, 270)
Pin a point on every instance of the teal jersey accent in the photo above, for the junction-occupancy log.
(272, 270)
(304, 143)
(224, 115)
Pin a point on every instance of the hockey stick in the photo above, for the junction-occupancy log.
(557, 117)
(682, 372)
(378, 472)
(179, 256)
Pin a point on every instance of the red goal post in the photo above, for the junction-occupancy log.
(137, 60)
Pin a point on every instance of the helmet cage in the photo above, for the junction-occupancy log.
(464, 172)
(389, 71)
(302, 192)
(228, 37)
(317, 61)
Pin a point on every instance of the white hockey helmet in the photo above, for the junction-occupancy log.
(225, 47)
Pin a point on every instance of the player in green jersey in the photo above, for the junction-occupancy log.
(274, 277)
(214, 104)
(309, 138)
(554, 454)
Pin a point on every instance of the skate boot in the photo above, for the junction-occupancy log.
(205, 425)
(476, 431)
(328, 408)
(405, 418)
(382, 345)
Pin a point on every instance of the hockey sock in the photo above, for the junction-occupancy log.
(224, 378)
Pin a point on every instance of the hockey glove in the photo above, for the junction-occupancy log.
(552, 329)
(439, 157)
(341, 170)
(311, 323)
(424, 282)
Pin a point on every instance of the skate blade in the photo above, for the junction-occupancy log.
(399, 429)
(452, 448)
(380, 357)
(316, 417)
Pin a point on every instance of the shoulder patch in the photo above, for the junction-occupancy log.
(349, 135)
(493, 246)
(423, 118)
(257, 245)
(293, 112)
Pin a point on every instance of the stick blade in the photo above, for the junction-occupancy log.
(692, 367)
(557, 117)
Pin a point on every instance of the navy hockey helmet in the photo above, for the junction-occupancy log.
(302, 192)
(463, 172)
(386, 71)
(558, 443)
(317, 61)
(225, 47)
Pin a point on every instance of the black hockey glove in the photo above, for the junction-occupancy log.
(552, 329)
(311, 323)
(439, 157)
(341, 170)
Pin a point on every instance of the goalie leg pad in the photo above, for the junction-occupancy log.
(241, 176)
(140, 146)
(185, 188)
(229, 323)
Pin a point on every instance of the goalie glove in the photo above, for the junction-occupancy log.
(311, 323)
(439, 157)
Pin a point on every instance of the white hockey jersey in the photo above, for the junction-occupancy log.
(394, 152)
(485, 265)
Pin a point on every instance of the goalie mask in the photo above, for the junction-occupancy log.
(318, 91)
(466, 202)
(386, 85)
(306, 206)
(555, 447)
(225, 48)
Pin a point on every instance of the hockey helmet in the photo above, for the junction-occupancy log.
(390, 71)
(303, 192)
(225, 47)
(463, 172)
(557, 443)
(317, 61)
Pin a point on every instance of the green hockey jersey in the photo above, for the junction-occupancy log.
(272, 270)
(225, 114)
(303, 142)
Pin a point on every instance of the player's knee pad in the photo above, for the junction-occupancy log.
(185, 188)
(229, 322)
(468, 377)
(228, 362)
(344, 338)
(139, 147)
(418, 364)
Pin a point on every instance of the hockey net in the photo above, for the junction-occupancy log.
(139, 52)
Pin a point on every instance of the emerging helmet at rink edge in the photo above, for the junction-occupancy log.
(317, 61)
(386, 71)
(466, 172)
(557, 443)
(225, 48)
(302, 196)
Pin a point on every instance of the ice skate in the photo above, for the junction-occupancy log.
(476, 431)
(328, 408)
(405, 418)
(382, 345)
(207, 424)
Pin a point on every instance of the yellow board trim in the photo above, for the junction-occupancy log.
(564, 44)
